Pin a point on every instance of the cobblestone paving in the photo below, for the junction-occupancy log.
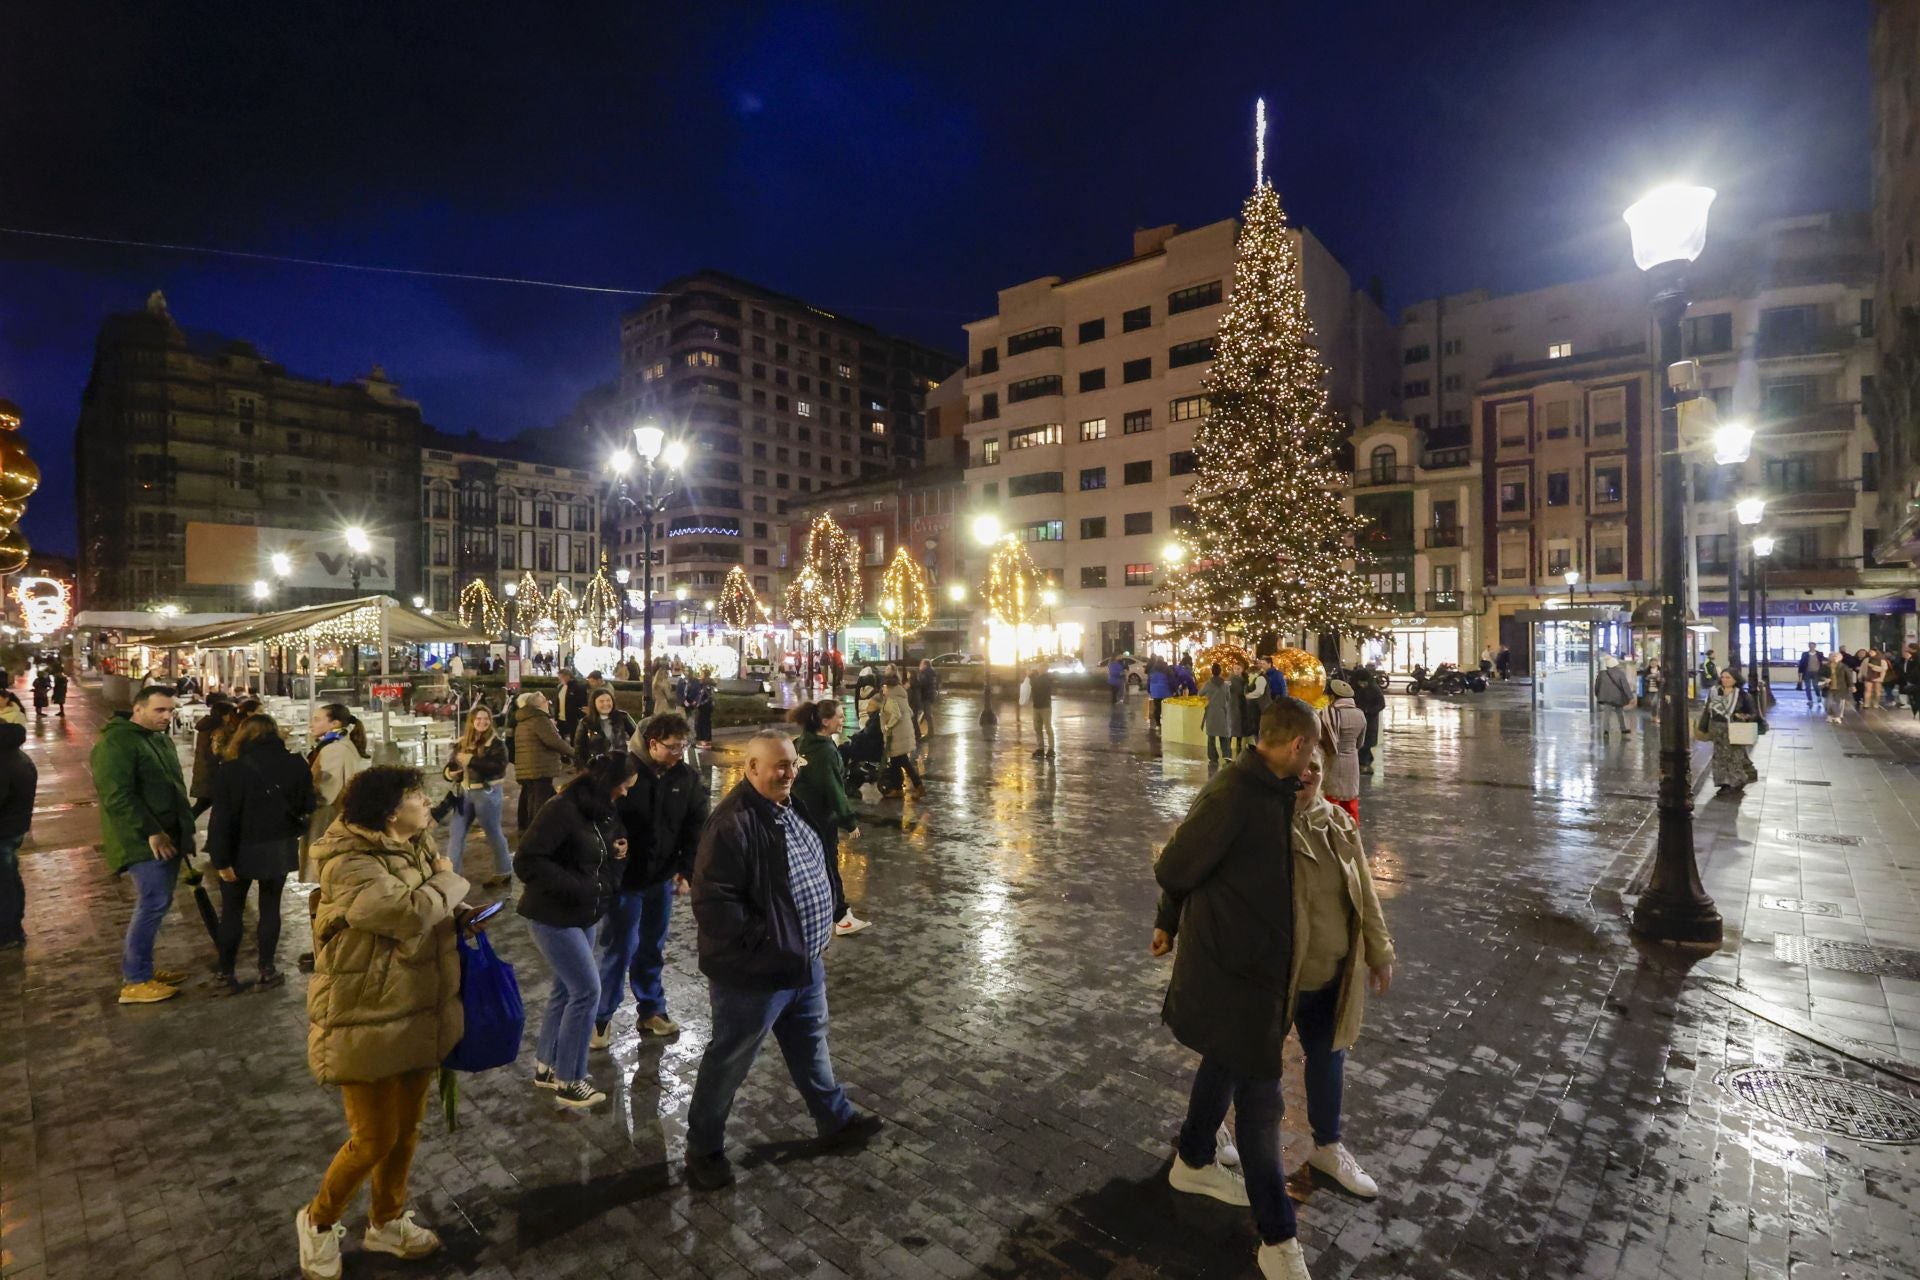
(1537, 1097)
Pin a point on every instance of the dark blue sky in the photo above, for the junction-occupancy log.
(894, 162)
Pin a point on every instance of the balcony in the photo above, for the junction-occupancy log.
(1812, 497)
(1380, 477)
(1447, 459)
(1829, 341)
(1451, 535)
(1446, 602)
(1827, 419)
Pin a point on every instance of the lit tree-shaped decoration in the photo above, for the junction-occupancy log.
(19, 477)
(562, 611)
(833, 557)
(906, 602)
(1267, 550)
(529, 605)
(480, 610)
(1013, 583)
(599, 612)
(739, 607)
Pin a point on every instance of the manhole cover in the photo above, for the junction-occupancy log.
(1851, 957)
(1815, 837)
(1801, 905)
(1826, 1104)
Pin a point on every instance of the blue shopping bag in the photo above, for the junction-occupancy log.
(495, 1018)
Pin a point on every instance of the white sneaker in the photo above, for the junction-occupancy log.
(403, 1238)
(578, 1094)
(1215, 1180)
(319, 1247)
(1282, 1261)
(849, 923)
(1223, 1149)
(1338, 1163)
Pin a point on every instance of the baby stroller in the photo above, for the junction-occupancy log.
(864, 754)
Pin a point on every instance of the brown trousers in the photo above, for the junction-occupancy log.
(383, 1128)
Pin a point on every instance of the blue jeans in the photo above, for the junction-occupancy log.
(565, 1030)
(484, 808)
(1314, 1014)
(633, 942)
(153, 881)
(741, 1019)
(13, 892)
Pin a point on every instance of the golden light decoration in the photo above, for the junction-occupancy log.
(739, 607)
(19, 477)
(906, 602)
(358, 627)
(599, 612)
(1228, 655)
(1013, 587)
(1306, 676)
(529, 605)
(480, 610)
(562, 611)
(834, 559)
(46, 604)
(804, 604)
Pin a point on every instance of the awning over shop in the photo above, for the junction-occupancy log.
(340, 621)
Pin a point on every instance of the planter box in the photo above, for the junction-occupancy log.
(1183, 722)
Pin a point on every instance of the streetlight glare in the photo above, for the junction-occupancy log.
(621, 462)
(1669, 224)
(1572, 576)
(1173, 553)
(986, 529)
(282, 564)
(511, 588)
(1763, 546)
(419, 602)
(680, 593)
(260, 589)
(1732, 443)
(1049, 598)
(1750, 510)
(357, 540)
(622, 576)
(675, 455)
(956, 591)
(648, 441)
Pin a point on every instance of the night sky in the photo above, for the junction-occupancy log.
(894, 162)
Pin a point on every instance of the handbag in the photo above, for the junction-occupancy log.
(1026, 691)
(1742, 733)
(495, 1017)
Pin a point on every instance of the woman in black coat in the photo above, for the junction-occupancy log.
(262, 797)
(603, 730)
(569, 865)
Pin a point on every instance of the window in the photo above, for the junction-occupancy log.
(1453, 346)
(1093, 575)
(1453, 417)
(1785, 330)
(1417, 387)
(1510, 425)
(1559, 488)
(1193, 297)
(1609, 559)
(989, 360)
(989, 454)
(1559, 417)
(1707, 335)
(1139, 575)
(1033, 437)
(1608, 411)
(1034, 482)
(1559, 350)
(1033, 340)
(1712, 551)
(1093, 478)
(1092, 379)
(1137, 370)
(1093, 331)
(1869, 472)
(1452, 382)
(1179, 517)
(1198, 351)
(1414, 355)
(1136, 422)
(1384, 459)
(989, 406)
(1421, 421)
(1866, 317)
(1180, 463)
(1033, 388)
(1137, 522)
(1513, 494)
(1043, 531)
(1093, 429)
(1093, 527)
(1138, 318)
(1559, 560)
(1786, 397)
(1513, 558)
(804, 408)
(1188, 408)
(1608, 488)
(1138, 473)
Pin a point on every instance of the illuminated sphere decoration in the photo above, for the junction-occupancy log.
(46, 604)
(1227, 655)
(1306, 677)
(19, 477)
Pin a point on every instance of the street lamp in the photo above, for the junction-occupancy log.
(510, 590)
(1762, 549)
(647, 479)
(1669, 230)
(1572, 577)
(1049, 598)
(1749, 512)
(1172, 555)
(359, 562)
(986, 532)
(261, 590)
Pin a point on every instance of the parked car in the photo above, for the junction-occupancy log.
(959, 660)
(1065, 666)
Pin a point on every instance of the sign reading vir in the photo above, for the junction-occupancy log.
(236, 555)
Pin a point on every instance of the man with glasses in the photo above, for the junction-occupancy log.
(663, 812)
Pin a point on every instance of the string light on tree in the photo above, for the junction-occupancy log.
(739, 607)
(906, 604)
(480, 610)
(599, 614)
(1269, 542)
(1014, 583)
(834, 559)
(529, 605)
(562, 612)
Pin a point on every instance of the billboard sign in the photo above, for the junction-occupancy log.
(237, 555)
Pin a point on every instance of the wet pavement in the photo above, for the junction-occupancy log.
(1536, 1096)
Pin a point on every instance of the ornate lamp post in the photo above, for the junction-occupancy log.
(647, 487)
(1748, 512)
(623, 576)
(986, 532)
(1763, 686)
(359, 561)
(1669, 229)
(509, 590)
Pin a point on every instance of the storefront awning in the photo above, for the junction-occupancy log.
(341, 620)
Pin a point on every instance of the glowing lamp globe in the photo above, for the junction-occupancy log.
(1669, 224)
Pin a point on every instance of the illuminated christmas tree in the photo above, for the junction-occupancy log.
(739, 607)
(1268, 548)
(833, 558)
(906, 601)
(529, 605)
(480, 610)
(598, 617)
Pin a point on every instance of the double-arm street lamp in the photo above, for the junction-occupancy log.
(646, 486)
(623, 577)
(1669, 229)
(1747, 512)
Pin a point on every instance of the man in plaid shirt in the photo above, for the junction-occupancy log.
(764, 907)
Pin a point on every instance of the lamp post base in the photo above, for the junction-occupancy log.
(1664, 919)
(987, 718)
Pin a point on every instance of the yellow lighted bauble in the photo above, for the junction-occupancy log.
(1306, 677)
(1228, 656)
(19, 476)
(13, 551)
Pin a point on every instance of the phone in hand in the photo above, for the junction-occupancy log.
(482, 914)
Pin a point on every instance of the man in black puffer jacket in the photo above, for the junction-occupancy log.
(764, 906)
(19, 780)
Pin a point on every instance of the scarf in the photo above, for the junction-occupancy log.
(1723, 704)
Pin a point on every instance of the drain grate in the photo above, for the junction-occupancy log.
(1865, 755)
(1826, 1104)
(1801, 905)
(1815, 837)
(1810, 782)
(1849, 957)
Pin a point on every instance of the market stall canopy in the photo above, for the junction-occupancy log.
(343, 620)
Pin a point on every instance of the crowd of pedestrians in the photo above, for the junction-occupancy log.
(1865, 680)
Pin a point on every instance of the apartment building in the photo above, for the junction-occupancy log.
(1895, 57)
(775, 399)
(495, 509)
(198, 459)
(1083, 396)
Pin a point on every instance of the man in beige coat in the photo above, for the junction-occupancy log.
(539, 754)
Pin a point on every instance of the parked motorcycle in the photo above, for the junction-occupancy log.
(1445, 679)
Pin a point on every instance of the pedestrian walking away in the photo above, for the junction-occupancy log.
(927, 680)
(570, 867)
(383, 1007)
(1160, 687)
(1217, 722)
(1116, 679)
(262, 799)
(477, 768)
(821, 791)
(661, 815)
(1227, 912)
(146, 830)
(1342, 726)
(1612, 695)
(1040, 698)
(19, 783)
(1370, 695)
(1730, 721)
(206, 752)
(42, 693)
(60, 691)
(540, 754)
(765, 914)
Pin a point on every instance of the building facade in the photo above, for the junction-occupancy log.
(496, 509)
(1895, 409)
(197, 459)
(1083, 396)
(775, 399)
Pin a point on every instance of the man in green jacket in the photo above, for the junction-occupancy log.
(146, 829)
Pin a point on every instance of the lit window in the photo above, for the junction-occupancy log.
(804, 408)
(1093, 429)
(1559, 350)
